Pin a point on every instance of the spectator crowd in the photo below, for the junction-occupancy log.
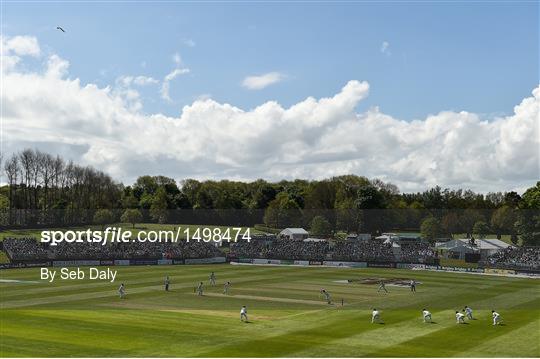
(516, 257)
(30, 249)
(27, 249)
(314, 251)
(364, 251)
(418, 253)
(298, 250)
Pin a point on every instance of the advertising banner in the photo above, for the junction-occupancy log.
(107, 262)
(205, 260)
(381, 265)
(345, 264)
(260, 261)
(477, 270)
(410, 266)
(499, 271)
(453, 269)
(75, 263)
(164, 261)
(25, 265)
(266, 261)
(142, 262)
(301, 263)
(315, 263)
(121, 262)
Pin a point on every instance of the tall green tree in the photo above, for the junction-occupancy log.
(450, 223)
(103, 217)
(430, 229)
(159, 209)
(132, 215)
(503, 221)
(481, 229)
(283, 212)
(370, 201)
(320, 226)
(468, 218)
(528, 223)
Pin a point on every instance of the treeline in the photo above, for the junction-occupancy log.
(46, 190)
(40, 187)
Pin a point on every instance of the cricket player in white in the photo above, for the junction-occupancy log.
(243, 314)
(167, 283)
(212, 278)
(375, 316)
(200, 289)
(496, 317)
(382, 286)
(460, 318)
(226, 287)
(427, 315)
(468, 312)
(122, 291)
(327, 296)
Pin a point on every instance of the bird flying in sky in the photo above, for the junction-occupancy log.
(59, 28)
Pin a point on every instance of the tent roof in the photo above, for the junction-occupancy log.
(294, 231)
(464, 243)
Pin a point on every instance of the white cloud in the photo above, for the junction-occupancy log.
(12, 48)
(131, 97)
(314, 138)
(168, 78)
(136, 80)
(165, 85)
(57, 67)
(385, 48)
(21, 45)
(261, 81)
(175, 73)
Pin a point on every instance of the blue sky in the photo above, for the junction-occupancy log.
(417, 94)
(480, 57)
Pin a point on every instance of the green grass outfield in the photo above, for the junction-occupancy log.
(288, 318)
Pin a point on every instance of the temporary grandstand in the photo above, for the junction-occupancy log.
(458, 248)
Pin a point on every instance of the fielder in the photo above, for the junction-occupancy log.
(226, 287)
(496, 317)
(200, 288)
(212, 278)
(167, 283)
(460, 318)
(468, 312)
(375, 316)
(413, 285)
(327, 296)
(243, 314)
(122, 291)
(427, 315)
(382, 286)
